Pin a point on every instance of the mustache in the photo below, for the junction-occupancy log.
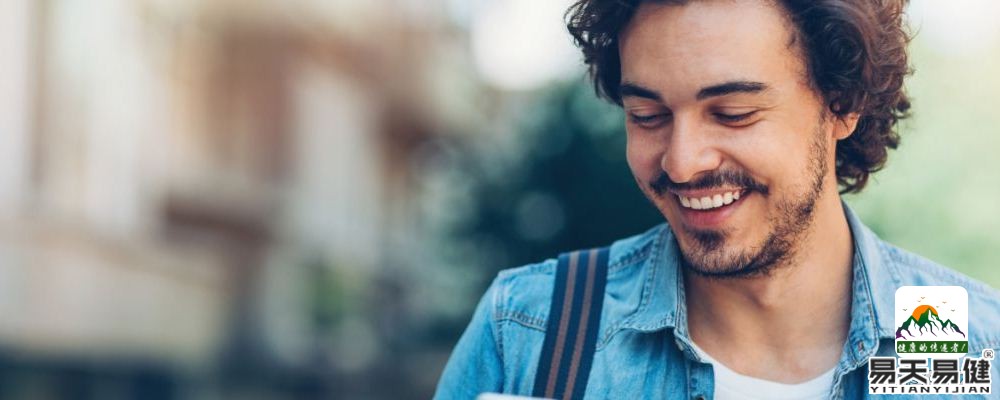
(662, 183)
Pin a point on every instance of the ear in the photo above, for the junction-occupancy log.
(844, 126)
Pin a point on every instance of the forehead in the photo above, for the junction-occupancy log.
(681, 48)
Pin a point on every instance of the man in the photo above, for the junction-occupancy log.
(745, 121)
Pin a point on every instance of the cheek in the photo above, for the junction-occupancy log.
(774, 155)
(643, 158)
(787, 174)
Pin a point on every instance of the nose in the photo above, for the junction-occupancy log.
(690, 150)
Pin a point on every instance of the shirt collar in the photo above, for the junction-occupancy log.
(662, 303)
(875, 282)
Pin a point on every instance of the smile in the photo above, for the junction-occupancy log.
(709, 202)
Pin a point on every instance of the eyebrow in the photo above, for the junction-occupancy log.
(730, 88)
(628, 89)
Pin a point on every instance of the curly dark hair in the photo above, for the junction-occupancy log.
(855, 55)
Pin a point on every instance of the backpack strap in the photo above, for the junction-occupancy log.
(573, 325)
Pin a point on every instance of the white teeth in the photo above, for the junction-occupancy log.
(705, 203)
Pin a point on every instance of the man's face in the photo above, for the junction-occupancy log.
(725, 135)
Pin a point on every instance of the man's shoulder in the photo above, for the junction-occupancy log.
(524, 293)
(984, 301)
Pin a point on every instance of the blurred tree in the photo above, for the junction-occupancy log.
(567, 185)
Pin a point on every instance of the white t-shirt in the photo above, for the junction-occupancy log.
(730, 385)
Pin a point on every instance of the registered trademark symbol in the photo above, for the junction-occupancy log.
(988, 354)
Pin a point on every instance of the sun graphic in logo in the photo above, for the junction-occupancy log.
(917, 312)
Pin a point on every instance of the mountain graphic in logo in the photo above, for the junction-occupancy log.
(925, 320)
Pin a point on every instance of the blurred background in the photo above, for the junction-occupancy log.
(305, 199)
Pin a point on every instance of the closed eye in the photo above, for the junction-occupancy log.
(648, 121)
(733, 118)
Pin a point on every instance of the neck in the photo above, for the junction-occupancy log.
(798, 315)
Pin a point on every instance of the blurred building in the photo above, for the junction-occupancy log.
(192, 189)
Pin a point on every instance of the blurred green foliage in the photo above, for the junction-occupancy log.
(938, 193)
(568, 186)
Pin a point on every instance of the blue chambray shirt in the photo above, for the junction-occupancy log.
(644, 349)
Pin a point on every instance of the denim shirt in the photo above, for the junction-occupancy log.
(644, 348)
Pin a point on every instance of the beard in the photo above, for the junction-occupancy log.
(707, 256)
